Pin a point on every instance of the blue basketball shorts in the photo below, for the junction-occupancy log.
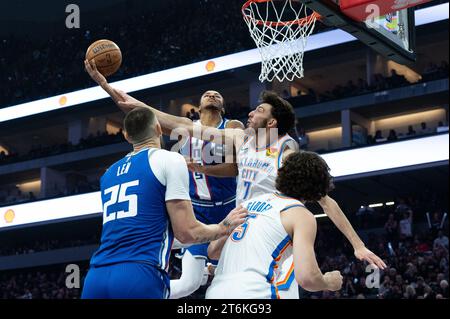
(209, 215)
(128, 280)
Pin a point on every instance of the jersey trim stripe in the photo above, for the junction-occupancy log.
(286, 282)
(205, 176)
(280, 154)
(291, 206)
(275, 255)
(269, 145)
(164, 248)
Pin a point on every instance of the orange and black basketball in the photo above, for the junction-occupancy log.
(106, 55)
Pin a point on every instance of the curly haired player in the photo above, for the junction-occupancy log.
(251, 257)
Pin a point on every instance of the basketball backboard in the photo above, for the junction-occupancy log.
(392, 34)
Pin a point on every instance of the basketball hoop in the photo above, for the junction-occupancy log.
(280, 29)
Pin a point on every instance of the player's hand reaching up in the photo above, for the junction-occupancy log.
(95, 75)
(117, 95)
(363, 253)
(235, 218)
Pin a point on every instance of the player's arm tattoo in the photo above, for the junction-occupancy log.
(226, 222)
(216, 234)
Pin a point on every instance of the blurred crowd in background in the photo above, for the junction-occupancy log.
(13, 194)
(379, 82)
(186, 31)
(411, 236)
(32, 69)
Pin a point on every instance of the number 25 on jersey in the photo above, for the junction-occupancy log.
(118, 195)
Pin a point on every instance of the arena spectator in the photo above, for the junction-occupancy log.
(392, 136)
(391, 228)
(437, 221)
(303, 139)
(443, 285)
(379, 137)
(442, 127)
(405, 225)
(424, 129)
(402, 206)
(411, 131)
(441, 240)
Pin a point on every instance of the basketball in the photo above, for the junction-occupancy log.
(106, 55)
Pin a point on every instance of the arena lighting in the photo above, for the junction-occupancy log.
(376, 205)
(52, 209)
(320, 215)
(390, 203)
(373, 159)
(351, 162)
(190, 71)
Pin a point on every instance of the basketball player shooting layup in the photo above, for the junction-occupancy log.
(252, 257)
(145, 203)
(212, 198)
(267, 116)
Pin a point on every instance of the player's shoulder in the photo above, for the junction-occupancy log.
(290, 143)
(294, 207)
(167, 165)
(298, 218)
(167, 156)
(279, 201)
(285, 202)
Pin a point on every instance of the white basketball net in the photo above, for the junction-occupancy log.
(280, 30)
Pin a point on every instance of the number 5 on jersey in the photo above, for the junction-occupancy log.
(241, 230)
(118, 195)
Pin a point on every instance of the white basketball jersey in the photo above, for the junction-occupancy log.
(258, 167)
(258, 170)
(252, 257)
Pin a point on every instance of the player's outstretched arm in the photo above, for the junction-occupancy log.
(126, 102)
(332, 209)
(168, 122)
(219, 170)
(302, 227)
(98, 78)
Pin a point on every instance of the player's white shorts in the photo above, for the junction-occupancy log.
(244, 285)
